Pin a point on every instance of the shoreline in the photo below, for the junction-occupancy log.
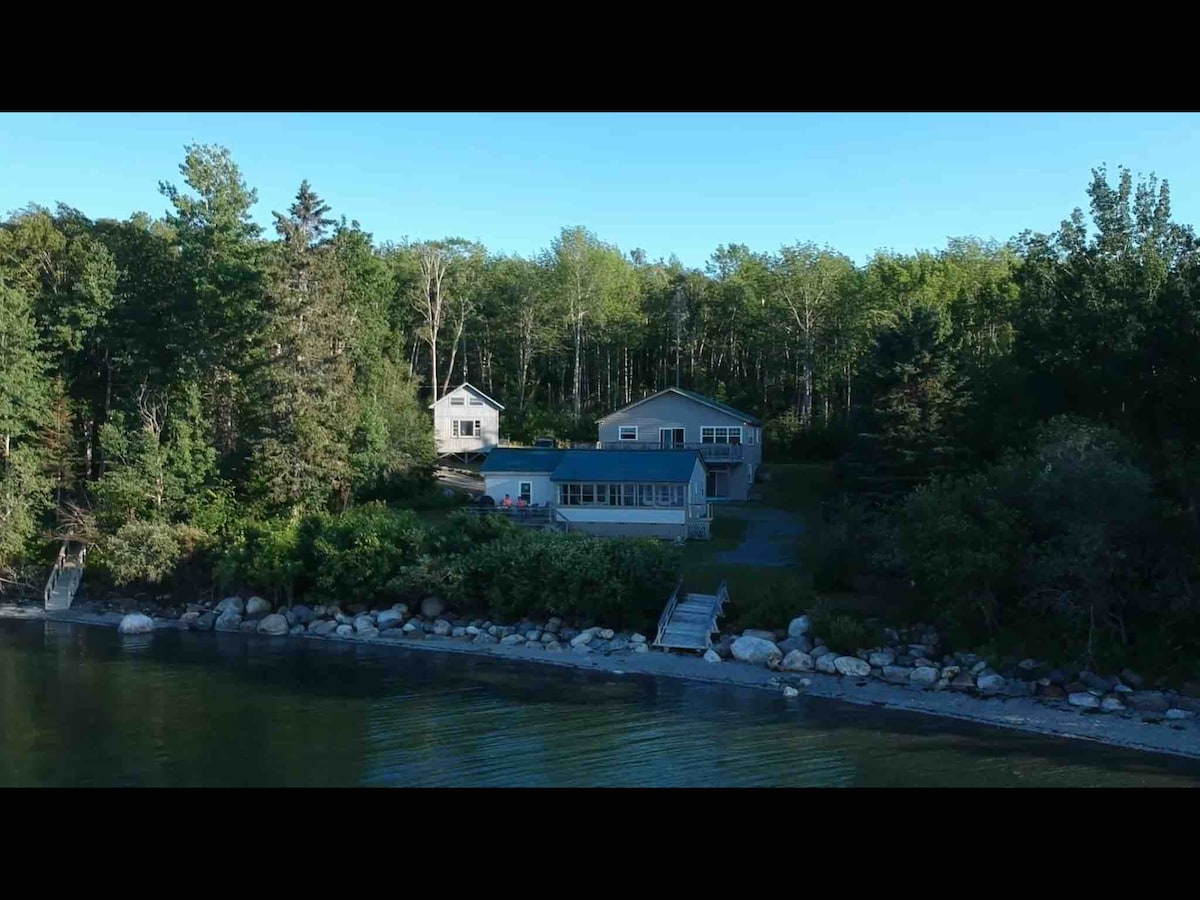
(1173, 738)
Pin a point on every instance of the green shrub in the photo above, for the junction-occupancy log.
(355, 557)
(147, 552)
(462, 531)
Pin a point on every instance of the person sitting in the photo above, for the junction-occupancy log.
(522, 506)
(507, 503)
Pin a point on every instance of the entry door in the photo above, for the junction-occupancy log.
(717, 483)
(670, 438)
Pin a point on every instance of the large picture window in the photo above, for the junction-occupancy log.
(604, 494)
(467, 428)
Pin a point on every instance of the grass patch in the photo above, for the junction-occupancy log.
(799, 487)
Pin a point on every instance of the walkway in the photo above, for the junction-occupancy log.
(772, 537)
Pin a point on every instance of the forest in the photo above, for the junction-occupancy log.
(1012, 426)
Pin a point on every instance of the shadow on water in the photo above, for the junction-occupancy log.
(83, 705)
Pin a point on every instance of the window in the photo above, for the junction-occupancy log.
(475, 401)
(526, 493)
(466, 428)
(627, 433)
(614, 495)
(719, 434)
(752, 436)
(573, 495)
(589, 493)
(456, 401)
(629, 494)
(677, 495)
(664, 494)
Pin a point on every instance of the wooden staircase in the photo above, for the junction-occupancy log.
(65, 577)
(689, 621)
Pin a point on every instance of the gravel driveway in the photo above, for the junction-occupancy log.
(771, 538)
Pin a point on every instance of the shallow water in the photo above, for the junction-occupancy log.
(83, 706)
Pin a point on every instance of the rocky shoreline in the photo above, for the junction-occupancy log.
(908, 674)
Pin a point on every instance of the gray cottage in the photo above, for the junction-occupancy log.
(728, 440)
(466, 422)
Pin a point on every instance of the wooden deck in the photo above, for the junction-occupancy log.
(65, 577)
(689, 620)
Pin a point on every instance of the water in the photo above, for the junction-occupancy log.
(84, 706)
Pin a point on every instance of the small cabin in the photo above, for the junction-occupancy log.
(466, 423)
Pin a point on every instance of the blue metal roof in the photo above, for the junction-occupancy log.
(510, 459)
(661, 466)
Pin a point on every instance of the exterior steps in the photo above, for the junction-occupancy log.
(65, 577)
(689, 620)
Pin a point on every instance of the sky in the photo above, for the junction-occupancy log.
(681, 183)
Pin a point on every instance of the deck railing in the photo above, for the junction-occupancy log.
(709, 452)
(665, 619)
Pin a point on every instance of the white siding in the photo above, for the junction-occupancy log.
(623, 514)
(497, 484)
(445, 413)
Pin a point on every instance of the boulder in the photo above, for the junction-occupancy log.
(1084, 700)
(584, 637)
(1112, 704)
(819, 651)
(852, 666)
(325, 628)
(1180, 714)
(367, 633)
(274, 624)
(924, 675)
(979, 667)
(431, 607)
(410, 627)
(760, 634)
(711, 656)
(618, 643)
(605, 634)
(204, 622)
(1189, 703)
(1146, 701)
(344, 630)
(189, 617)
(484, 638)
(136, 623)
(636, 638)
(1132, 678)
(389, 618)
(548, 637)
(553, 646)
(362, 623)
(797, 661)
(512, 639)
(897, 674)
(304, 614)
(881, 658)
(248, 626)
(963, 681)
(257, 606)
(798, 627)
(789, 692)
(442, 628)
(296, 629)
(234, 603)
(802, 643)
(827, 663)
(989, 684)
(724, 647)
(641, 648)
(581, 648)
(1095, 682)
(757, 651)
(401, 608)
(228, 620)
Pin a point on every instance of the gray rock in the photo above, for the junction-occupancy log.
(1084, 700)
(249, 626)
(584, 637)
(401, 608)
(1027, 664)
(827, 663)
(1146, 701)
(431, 607)
(257, 606)
(328, 627)
(552, 645)
(819, 651)
(799, 627)
(1017, 687)
(189, 617)
(304, 614)
(922, 663)
(599, 646)
(1096, 682)
(473, 630)
(979, 667)
(581, 648)
(362, 623)
(760, 634)
(711, 655)
(618, 644)
(881, 658)
(553, 625)
(757, 651)
(802, 643)
(1180, 714)
(897, 674)
(924, 675)
(235, 603)
(136, 623)
(344, 630)
(274, 624)
(1189, 703)
(605, 634)
(641, 648)
(941, 684)
(534, 636)
(204, 622)
(1122, 689)
(368, 633)
(1132, 678)
(484, 638)
(289, 615)
(636, 638)
(1112, 704)
(989, 684)
(410, 626)
(442, 628)
(963, 681)
(389, 618)
(724, 647)
(797, 661)
(789, 692)
(851, 666)
(549, 637)
(512, 639)
(950, 672)
(458, 631)
(228, 621)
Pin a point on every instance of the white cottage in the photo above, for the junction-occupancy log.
(466, 422)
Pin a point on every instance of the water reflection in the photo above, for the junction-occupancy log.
(85, 706)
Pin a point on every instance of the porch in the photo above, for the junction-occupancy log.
(709, 452)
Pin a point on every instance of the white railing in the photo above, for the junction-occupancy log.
(665, 619)
(710, 452)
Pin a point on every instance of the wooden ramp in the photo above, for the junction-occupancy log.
(65, 577)
(689, 620)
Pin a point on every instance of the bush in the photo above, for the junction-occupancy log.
(463, 531)
(621, 582)
(147, 552)
(356, 557)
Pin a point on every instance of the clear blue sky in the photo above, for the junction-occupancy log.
(681, 183)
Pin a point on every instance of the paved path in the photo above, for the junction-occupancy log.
(771, 539)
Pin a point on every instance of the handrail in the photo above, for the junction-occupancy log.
(722, 599)
(665, 619)
(59, 565)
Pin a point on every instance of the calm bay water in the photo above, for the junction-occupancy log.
(82, 706)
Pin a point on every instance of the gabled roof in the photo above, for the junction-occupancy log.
(474, 390)
(691, 395)
(511, 459)
(663, 466)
